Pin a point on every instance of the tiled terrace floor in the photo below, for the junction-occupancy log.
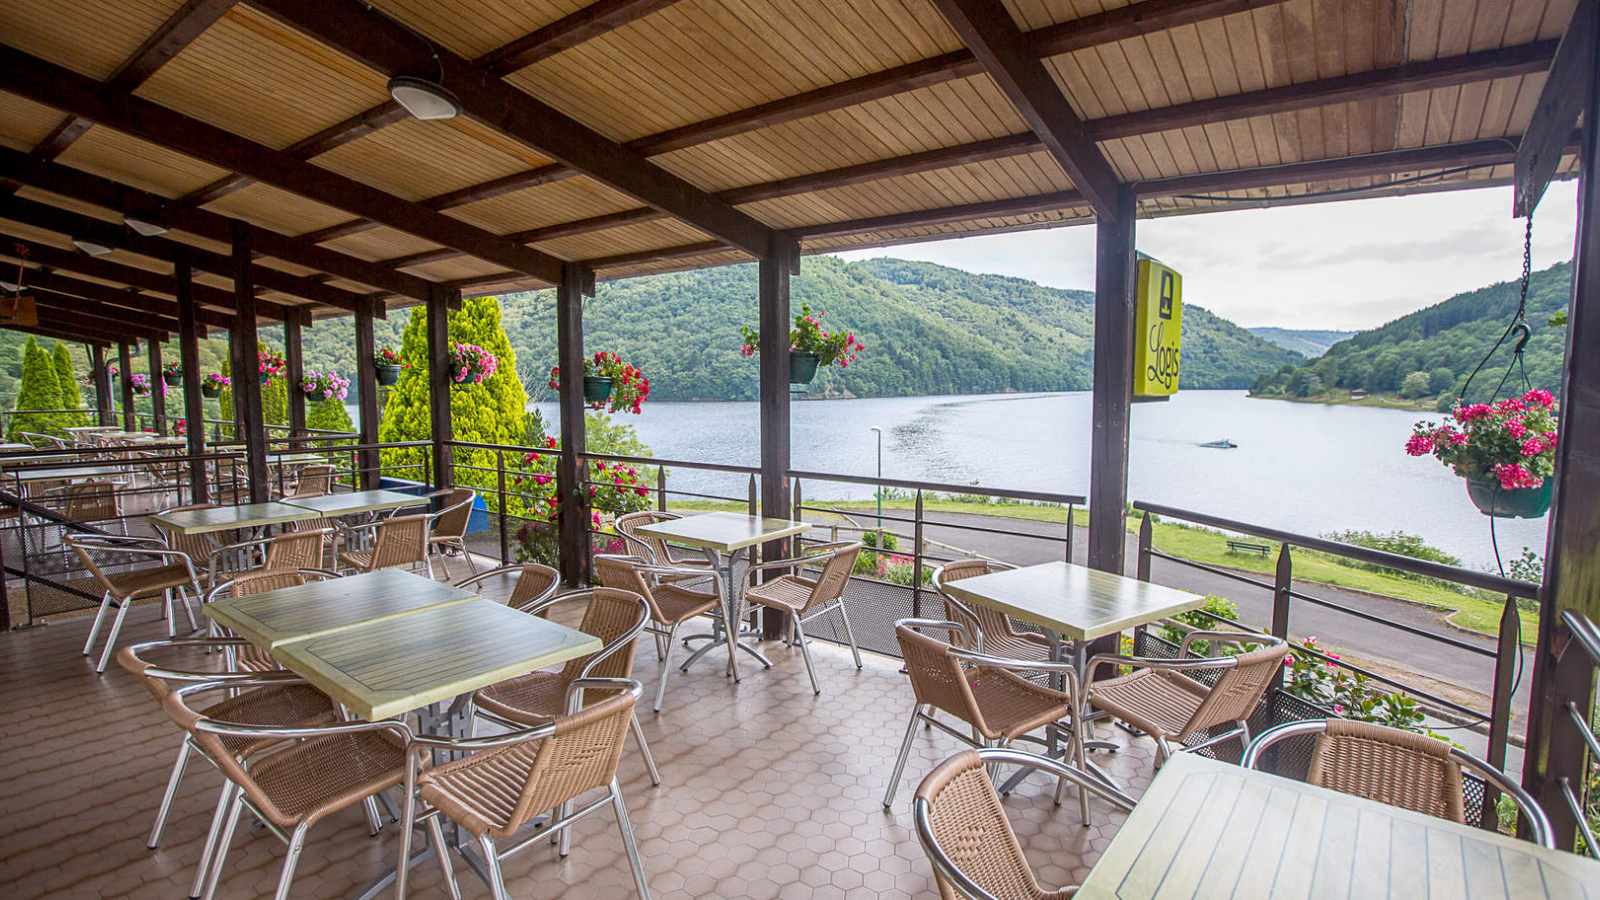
(768, 792)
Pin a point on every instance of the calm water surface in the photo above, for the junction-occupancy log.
(1302, 467)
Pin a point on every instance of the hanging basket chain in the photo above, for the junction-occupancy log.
(1518, 326)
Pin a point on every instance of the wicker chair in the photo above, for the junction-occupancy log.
(512, 778)
(298, 549)
(994, 631)
(670, 604)
(399, 541)
(1400, 768)
(614, 616)
(804, 598)
(536, 583)
(1000, 706)
(173, 573)
(312, 481)
(95, 501)
(964, 830)
(1160, 700)
(248, 657)
(318, 770)
(655, 549)
(43, 441)
(449, 526)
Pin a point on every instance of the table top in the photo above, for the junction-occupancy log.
(724, 532)
(1207, 830)
(224, 518)
(356, 502)
(385, 668)
(293, 456)
(65, 474)
(1076, 602)
(9, 447)
(87, 429)
(274, 618)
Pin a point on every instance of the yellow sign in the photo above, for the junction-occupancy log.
(1158, 330)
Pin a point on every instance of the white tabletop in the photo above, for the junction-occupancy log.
(65, 474)
(274, 618)
(724, 532)
(87, 429)
(1076, 602)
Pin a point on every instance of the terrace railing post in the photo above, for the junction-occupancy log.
(158, 390)
(125, 358)
(916, 558)
(661, 488)
(1072, 527)
(573, 537)
(294, 361)
(1143, 572)
(1282, 597)
(247, 373)
(1506, 664)
(500, 487)
(194, 408)
(367, 393)
(440, 424)
(1113, 385)
(102, 383)
(755, 510)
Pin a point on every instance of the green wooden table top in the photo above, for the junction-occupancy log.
(1076, 602)
(385, 668)
(724, 532)
(274, 618)
(89, 429)
(106, 470)
(356, 502)
(1207, 830)
(224, 518)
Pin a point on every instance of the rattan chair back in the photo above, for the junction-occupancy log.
(401, 541)
(314, 481)
(619, 572)
(1400, 768)
(452, 522)
(978, 618)
(1238, 689)
(534, 583)
(81, 545)
(296, 550)
(835, 576)
(938, 678)
(610, 615)
(197, 547)
(93, 501)
(628, 524)
(969, 826)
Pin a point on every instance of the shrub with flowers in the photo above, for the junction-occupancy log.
(471, 364)
(215, 381)
(1514, 440)
(324, 386)
(1349, 694)
(615, 489)
(807, 336)
(629, 388)
(271, 364)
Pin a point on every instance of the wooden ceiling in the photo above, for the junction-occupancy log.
(636, 136)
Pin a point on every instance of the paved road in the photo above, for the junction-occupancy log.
(1345, 634)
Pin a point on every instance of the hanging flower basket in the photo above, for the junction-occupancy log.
(172, 374)
(470, 364)
(388, 363)
(596, 389)
(271, 365)
(319, 387)
(1506, 451)
(140, 383)
(213, 384)
(810, 348)
(609, 384)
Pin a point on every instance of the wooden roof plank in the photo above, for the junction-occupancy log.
(567, 32)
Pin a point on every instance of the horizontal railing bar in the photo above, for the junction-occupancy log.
(1431, 569)
(677, 463)
(975, 490)
(1224, 573)
(1584, 631)
(1409, 629)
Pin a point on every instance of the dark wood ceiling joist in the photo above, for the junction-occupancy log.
(54, 317)
(44, 82)
(62, 334)
(122, 298)
(54, 308)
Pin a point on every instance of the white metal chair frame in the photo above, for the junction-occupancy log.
(133, 547)
(813, 556)
(437, 543)
(667, 637)
(343, 535)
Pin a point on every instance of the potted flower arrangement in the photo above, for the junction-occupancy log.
(324, 386)
(213, 384)
(1506, 451)
(271, 364)
(172, 373)
(140, 383)
(609, 383)
(388, 362)
(809, 346)
(470, 364)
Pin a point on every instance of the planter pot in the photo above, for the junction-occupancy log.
(173, 379)
(596, 388)
(388, 376)
(802, 366)
(1510, 503)
(210, 390)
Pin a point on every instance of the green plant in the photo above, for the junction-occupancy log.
(66, 377)
(867, 560)
(897, 569)
(40, 391)
(1196, 619)
(1397, 542)
(1527, 567)
(807, 336)
(1349, 694)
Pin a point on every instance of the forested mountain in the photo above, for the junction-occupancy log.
(1305, 341)
(1431, 351)
(928, 329)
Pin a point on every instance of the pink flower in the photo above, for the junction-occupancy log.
(1473, 411)
(748, 350)
(1419, 445)
(1532, 447)
(1540, 397)
(1338, 709)
(1550, 440)
(1515, 428)
(1513, 475)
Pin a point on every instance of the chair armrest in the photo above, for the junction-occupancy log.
(1147, 662)
(938, 625)
(1020, 665)
(1229, 637)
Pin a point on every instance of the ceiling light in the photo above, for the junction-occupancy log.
(423, 98)
(9, 286)
(146, 227)
(91, 247)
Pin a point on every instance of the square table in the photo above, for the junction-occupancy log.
(1207, 830)
(274, 618)
(90, 429)
(71, 473)
(7, 447)
(354, 502)
(723, 537)
(230, 518)
(391, 666)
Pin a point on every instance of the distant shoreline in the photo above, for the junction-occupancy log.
(1425, 405)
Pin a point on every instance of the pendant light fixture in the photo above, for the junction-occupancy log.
(11, 286)
(92, 248)
(145, 227)
(424, 98)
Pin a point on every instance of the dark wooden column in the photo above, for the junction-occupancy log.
(125, 359)
(246, 370)
(367, 392)
(439, 386)
(294, 360)
(102, 383)
(574, 535)
(1113, 385)
(772, 284)
(1561, 671)
(194, 409)
(158, 388)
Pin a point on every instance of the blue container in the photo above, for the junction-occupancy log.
(478, 521)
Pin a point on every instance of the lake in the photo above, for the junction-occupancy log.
(1303, 467)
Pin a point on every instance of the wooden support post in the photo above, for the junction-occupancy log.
(1113, 385)
(246, 371)
(367, 393)
(125, 359)
(102, 383)
(194, 409)
(439, 385)
(570, 467)
(1572, 562)
(294, 361)
(158, 390)
(773, 300)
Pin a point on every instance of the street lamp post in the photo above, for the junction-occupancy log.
(879, 432)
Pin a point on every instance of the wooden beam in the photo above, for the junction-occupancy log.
(101, 373)
(994, 38)
(380, 43)
(69, 182)
(55, 317)
(113, 316)
(570, 465)
(66, 222)
(125, 358)
(246, 375)
(194, 404)
(586, 24)
(440, 428)
(945, 214)
(367, 413)
(65, 334)
(114, 299)
(1559, 105)
(1113, 385)
(772, 310)
(44, 82)
(158, 388)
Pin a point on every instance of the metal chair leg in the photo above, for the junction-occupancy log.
(805, 651)
(224, 807)
(297, 842)
(374, 824)
(666, 666)
(627, 841)
(849, 633)
(178, 767)
(491, 860)
(443, 563)
(167, 614)
(441, 849)
(408, 821)
(644, 749)
(111, 638)
(99, 617)
(467, 554)
(188, 607)
(900, 761)
(220, 855)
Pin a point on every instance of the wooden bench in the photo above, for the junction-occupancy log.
(1247, 547)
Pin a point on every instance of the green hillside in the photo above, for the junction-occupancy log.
(1305, 341)
(1427, 355)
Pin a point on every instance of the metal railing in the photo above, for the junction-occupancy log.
(1575, 757)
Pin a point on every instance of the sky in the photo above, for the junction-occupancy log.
(1345, 265)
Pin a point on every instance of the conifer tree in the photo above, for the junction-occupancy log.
(67, 378)
(274, 396)
(40, 391)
